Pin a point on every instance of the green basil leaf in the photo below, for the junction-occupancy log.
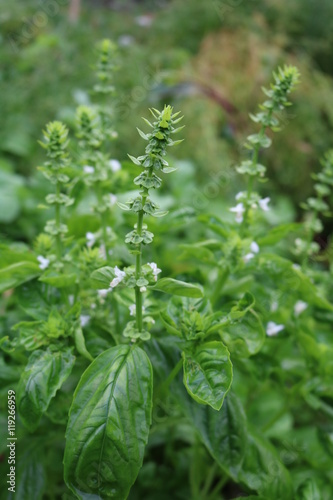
(198, 252)
(58, 280)
(290, 278)
(308, 490)
(169, 324)
(31, 481)
(246, 337)
(18, 273)
(135, 160)
(176, 287)
(263, 471)
(224, 433)
(208, 373)
(80, 343)
(101, 278)
(16, 252)
(277, 234)
(44, 374)
(215, 224)
(109, 424)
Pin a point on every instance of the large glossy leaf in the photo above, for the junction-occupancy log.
(246, 337)
(30, 474)
(176, 287)
(44, 374)
(208, 373)
(224, 433)
(109, 424)
(263, 471)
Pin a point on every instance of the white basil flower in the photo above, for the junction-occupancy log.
(115, 165)
(254, 247)
(155, 269)
(263, 203)
(239, 209)
(248, 257)
(120, 275)
(87, 169)
(273, 329)
(132, 309)
(103, 292)
(43, 262)
(143, 289)
(113, 199)
(239, 195)
(299, 307)
(84, 320)
(90, 237)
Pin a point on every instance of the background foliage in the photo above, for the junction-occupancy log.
(208, 59)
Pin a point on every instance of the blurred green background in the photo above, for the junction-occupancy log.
(207, 58)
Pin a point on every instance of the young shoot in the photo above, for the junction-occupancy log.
(285, 80)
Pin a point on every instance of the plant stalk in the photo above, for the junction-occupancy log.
(57, 220)
(138, 294)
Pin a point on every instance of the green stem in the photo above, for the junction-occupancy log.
(255, 158)
(170, 378)
(218, 488)
(138, 261)
(103, 222)
(209, 480)
(138, 294)
(309, 240)
(57, 221)
(116, 312)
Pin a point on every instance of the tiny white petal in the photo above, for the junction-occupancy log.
(248, 257)
(88, 169)
(120, 275)
(239, 195)
(43, 262)
(239, 209)
(263, 203)
(132, 309)
(115, 165)
(254, 247)
(143, 289)
(113, 199)
(84, 319)
(273, 329)
(299, 307)
(90, 237)
(103, 293)
(154, 268)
